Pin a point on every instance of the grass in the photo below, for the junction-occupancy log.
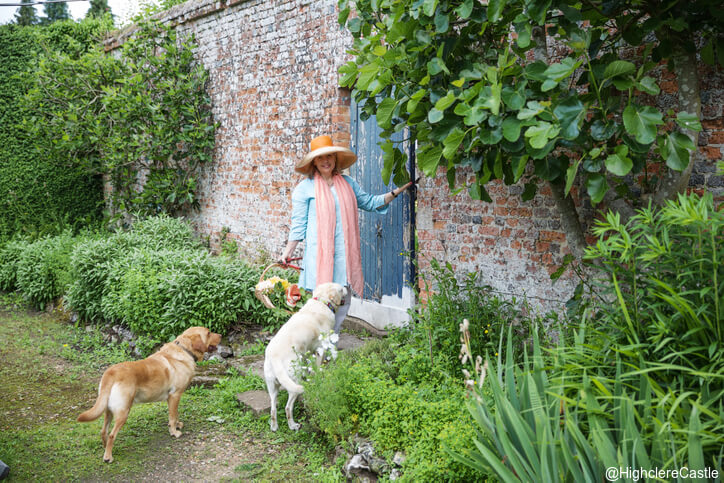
(49, 375)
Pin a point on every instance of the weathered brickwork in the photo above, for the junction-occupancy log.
(273, 82)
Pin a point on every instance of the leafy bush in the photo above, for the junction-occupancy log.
(164, 232)
(141, 118)
(43, 269)
(9, 258)
(37, 191)
(664, 271)
(93, 259)
(161, 293)
(358, 394)
(436, 324)
(541, 424)
(645, 387)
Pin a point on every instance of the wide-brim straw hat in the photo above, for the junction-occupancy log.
(320, 146)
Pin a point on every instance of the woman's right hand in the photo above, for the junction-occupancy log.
(287, 253)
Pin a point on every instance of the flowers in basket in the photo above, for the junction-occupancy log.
(279, 291)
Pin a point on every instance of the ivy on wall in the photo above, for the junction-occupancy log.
(39, 193)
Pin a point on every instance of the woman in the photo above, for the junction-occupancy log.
(324, 213)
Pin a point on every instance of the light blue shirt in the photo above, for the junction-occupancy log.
(304, 227)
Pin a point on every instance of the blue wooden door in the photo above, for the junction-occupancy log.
(387, 241)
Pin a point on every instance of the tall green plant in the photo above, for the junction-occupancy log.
(450, 300)
(40, 192)
(143, 120)
(664, 274)
(551, 419)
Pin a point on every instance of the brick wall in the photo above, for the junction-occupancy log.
(273, 82)
(273, 85)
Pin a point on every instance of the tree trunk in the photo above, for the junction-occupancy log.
(569, 220)
(566, 207)
(685, 69)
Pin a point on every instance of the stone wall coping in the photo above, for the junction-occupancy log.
(176, 15)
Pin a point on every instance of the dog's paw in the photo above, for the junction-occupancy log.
(273, 425)
(176, 433)
(108, 460)
(294, 426)
(179, 425)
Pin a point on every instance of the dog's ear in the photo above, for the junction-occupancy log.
(197, 344)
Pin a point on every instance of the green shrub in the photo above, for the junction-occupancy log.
(141, 119)
(161, 293)
(9, 258)
(37, 191)
(664, 273)
(164, 232)
(358, 394)
(437, 323)
(91, 262)
(43, 270)
(93, 259)
(543, 422)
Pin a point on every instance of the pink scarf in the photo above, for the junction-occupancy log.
(326, 222)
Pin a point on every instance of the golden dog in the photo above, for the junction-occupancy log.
(297, 336)
(164, 375)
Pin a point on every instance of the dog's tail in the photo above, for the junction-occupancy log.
(104, 391)
(283, 376)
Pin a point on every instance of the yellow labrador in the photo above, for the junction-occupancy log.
(164, 375)
(297, 336)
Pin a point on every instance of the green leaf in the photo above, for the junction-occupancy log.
(429, 6)
(619, 68)
(529, 191)
(495, 10)
(489, 98)
(571, 175)
(619, 165)
(511, 128)
(518, 163)
(539, 134)
(384, 112)
(445, 102)
(569, 113)
(596, 186)
(648, 85)
(641, 122)
(428, 159)
(512, 98)
(366, 75)
(688, 121)
(674, 149)
(532, 109)
(465, 9)
(435, 116)
(524, 32)
(601, 131)
(442, 22)
(452, 143)
(436, 65)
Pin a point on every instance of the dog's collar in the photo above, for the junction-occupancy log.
(328, 303)
(187, 351)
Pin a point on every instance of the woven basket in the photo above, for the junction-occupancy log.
(264, 298)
